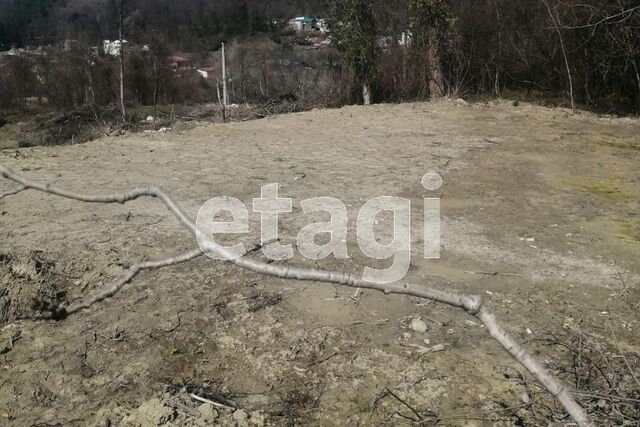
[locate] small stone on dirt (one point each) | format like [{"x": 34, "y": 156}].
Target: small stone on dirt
[
  {"x": 241, "y": 418},
  {"x": 257, "y": 419},
  {"x": 151, "y": 413},
  {"x": 418, "y": 325},
  {"x": 208, "y": 411},
  {"x": 438, "y": 347},
  {"x": 488, "y": 407}
]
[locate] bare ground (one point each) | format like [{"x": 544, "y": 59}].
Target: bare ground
[{"x": 541, "y": 217}]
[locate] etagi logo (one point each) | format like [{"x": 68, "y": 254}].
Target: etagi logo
[{"x": 270, "y": 206}]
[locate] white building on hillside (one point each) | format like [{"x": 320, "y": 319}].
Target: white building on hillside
[{"x": 112, "y": 47}]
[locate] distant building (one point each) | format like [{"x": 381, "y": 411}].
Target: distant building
[
  {"x": 304, "y": 23},
  {"x": 179, "y": 63},
  {"x": 322, "y": 25},
  {"x": 70, "y": 44},
  {"x": 403, "y": 40},
  {"x": 29, "y": 51},
  {"x": 14, "y": 51},
  {"x": 206, "y": 72},
  {"x": 112, "y": 48}
]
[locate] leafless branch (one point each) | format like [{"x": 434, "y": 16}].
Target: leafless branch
[
  {"x": 471, "y": 304},
  {"x": 555, "y": 21},
  {"x": 115, "y": 286},
  {"x": 625, "y": 14},
  {"x": 626, "y": 362},
  {"x": 12, "y": 192},
  {"x": 211, "y": 402}
]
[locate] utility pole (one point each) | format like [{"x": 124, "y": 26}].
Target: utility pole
[
  {"x": 225, "y": 98},
  {"x": 120, "y": 35}
]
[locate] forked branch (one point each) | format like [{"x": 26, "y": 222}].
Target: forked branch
[
  {"x": 471, "y": 304},
  {"x": 12, "y": 192},
  {"x": 59, "y": 313}
]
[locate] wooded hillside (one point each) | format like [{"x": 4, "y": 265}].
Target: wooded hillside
[{"x": 585, "y": 53}]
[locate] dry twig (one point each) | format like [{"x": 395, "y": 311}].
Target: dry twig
[
  {"x": 211, "y": 402},
  {"x": 13, "y": 192}
]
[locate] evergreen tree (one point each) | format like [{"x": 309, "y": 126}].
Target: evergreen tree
[
  {"x": 353, "y": 27},
  {"x": 430, "y": 21}
]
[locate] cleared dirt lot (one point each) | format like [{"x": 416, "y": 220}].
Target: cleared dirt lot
[{"x": 541, "y": 217}]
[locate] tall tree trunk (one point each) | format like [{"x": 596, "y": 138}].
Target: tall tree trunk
[
  {"x": 155, "y": 90},
  {"x": 436, "y": 76},
  {"x": 496, "y": 82},
  {"x": 366, "y": 93},
  {"x": 556, "y": 25},
  {"x": 225, "y": 94},
  {"x": 120, "y": 36},
  {"x": 635, "y": 68},
  {"x": 91, "y": 94}
]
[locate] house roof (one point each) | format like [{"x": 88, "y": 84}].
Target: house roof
[
  {"x": 304, "y": 19},
  {"x": 178, "y": 58}
]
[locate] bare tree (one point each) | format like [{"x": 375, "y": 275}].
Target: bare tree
[
  {"x": 555, "y": 21},
  {"x": 496, "y": 83}
]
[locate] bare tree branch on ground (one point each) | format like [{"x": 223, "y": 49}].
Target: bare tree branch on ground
[{"x": 471, "y": 304}]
